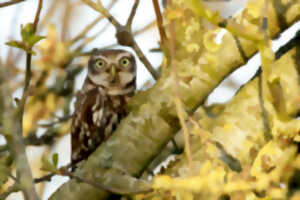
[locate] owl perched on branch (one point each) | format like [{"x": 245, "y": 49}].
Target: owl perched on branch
[{"x": 100, "y": 104}]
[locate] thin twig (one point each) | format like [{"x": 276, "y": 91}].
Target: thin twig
[
  {"x": 66, "y": 19},
  {"x": 100, "y": 8},
  {"x": 135, "y": 33},
  {"x": 28, "y": 65},
  {"x": 145, "y": 28},
  {"x": 33, "y": 140},
  {"x": 91, "y": 25},
  {"x": 132, "y": 14},
  {"x": 159, "y": 19},
  {"x": 63, "y": 171},
  {"x": 49, "y": 176},
  {"x": 266, "y": 65},
  {"x": 145, "y": 61},
  {"x": 9, "y": 3},
  {"x": 86, "y": 29},
  {"x": 51, "y": 10},
  {"x": 78, "y": 51},
  {"x": 101, "y": 186},
  {"x": 37, "y": 15},
  {"x": 13, "y": 133},
  {"x": 178, "y": 104}
]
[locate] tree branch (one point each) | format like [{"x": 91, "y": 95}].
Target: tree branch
[
  {"x": 9, "y": 3},
  {"x": 159, "y": 19},
  {"x": 13, "y": 131},
  {"x": 132, "y": 14}
]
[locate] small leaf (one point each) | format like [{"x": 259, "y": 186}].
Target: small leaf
[
  {"x": 55, "y": 159},
  {"x": 47, "y": 165},
  {"x": 27, "y": 32},
  {"x": 20, "y": 45},
  {"x": 34, "y": 39},
  {"x": 17, "y": 44}
]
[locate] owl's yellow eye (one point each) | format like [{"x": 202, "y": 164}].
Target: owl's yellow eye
[
  {"x": 99, "y": 63},
  {"x": 124, "y": 62}
]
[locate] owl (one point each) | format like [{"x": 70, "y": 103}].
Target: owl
[{"x": 101, "y": 103}]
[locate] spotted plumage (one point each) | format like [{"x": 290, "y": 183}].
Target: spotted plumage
[{"x": 101, "y": 103}]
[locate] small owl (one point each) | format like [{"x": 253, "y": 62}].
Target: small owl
[{"x": 101, "y": 102}]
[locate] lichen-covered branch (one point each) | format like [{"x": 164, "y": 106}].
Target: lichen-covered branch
[
  {"x": 153, "y": 120},
  {"x": 239, "y": 131}
]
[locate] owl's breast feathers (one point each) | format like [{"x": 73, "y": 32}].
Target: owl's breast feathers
[{"x": 95, "y": 118}]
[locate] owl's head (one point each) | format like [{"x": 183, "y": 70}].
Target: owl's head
[{"x": 112, "y": 68}]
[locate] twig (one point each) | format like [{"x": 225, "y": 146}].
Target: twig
[
  {"x": 49, "y": 13},
  {"x": 124, "y": 34},
  {"x": 28, "y": 65},
  {"x": 63, "y": 171},
  {"x": 264, "y": 112},
  {"x": 101, "y": 186},
  {"x": 9, "y": 3},
  {"x": 159, "y": 19},
  {"x": 66, "y": 19},
  {"x": 33, "y": 140},
  {"x": 145, "y": 28},
  {"x": 135, "y": 33},
  {"x": 178, "y": 104},
  {"x": 37, "y": 15},
  {"x": 49, "y": 176},
  {"x": 77, "y": 51},
  {"x": 266, "y": 65},
  {"x": 146, "y": 62},
  {"x": 91, "y": 25},
  {"x": 132, "y": 14},
  {"x": 99, "y": 7},
  {"x": 13, "y": 132}
]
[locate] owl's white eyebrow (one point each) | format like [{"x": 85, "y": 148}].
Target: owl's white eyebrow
[
  {"x": 100, "y": 56},
  {"x": 127, "y": 54}
]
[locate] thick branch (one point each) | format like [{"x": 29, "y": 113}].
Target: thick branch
[{"x": 246, "y": 127}]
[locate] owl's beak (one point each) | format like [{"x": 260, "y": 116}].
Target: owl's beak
[{"x": 113, "y": 70}]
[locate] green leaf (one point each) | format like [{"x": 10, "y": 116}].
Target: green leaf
[
  {"x": 55, "y": 159},
  {"x": 20, "y": 45},
  {"x": 17, "y": 44},
  {"x": 29, "y": 39},
  {"x": 34, "y": 39},
  {"x": 27, "y": 32},
  {"x": 47, "y": 165}
]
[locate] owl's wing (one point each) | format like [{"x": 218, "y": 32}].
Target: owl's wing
[{"x": 87, "y": 119}]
